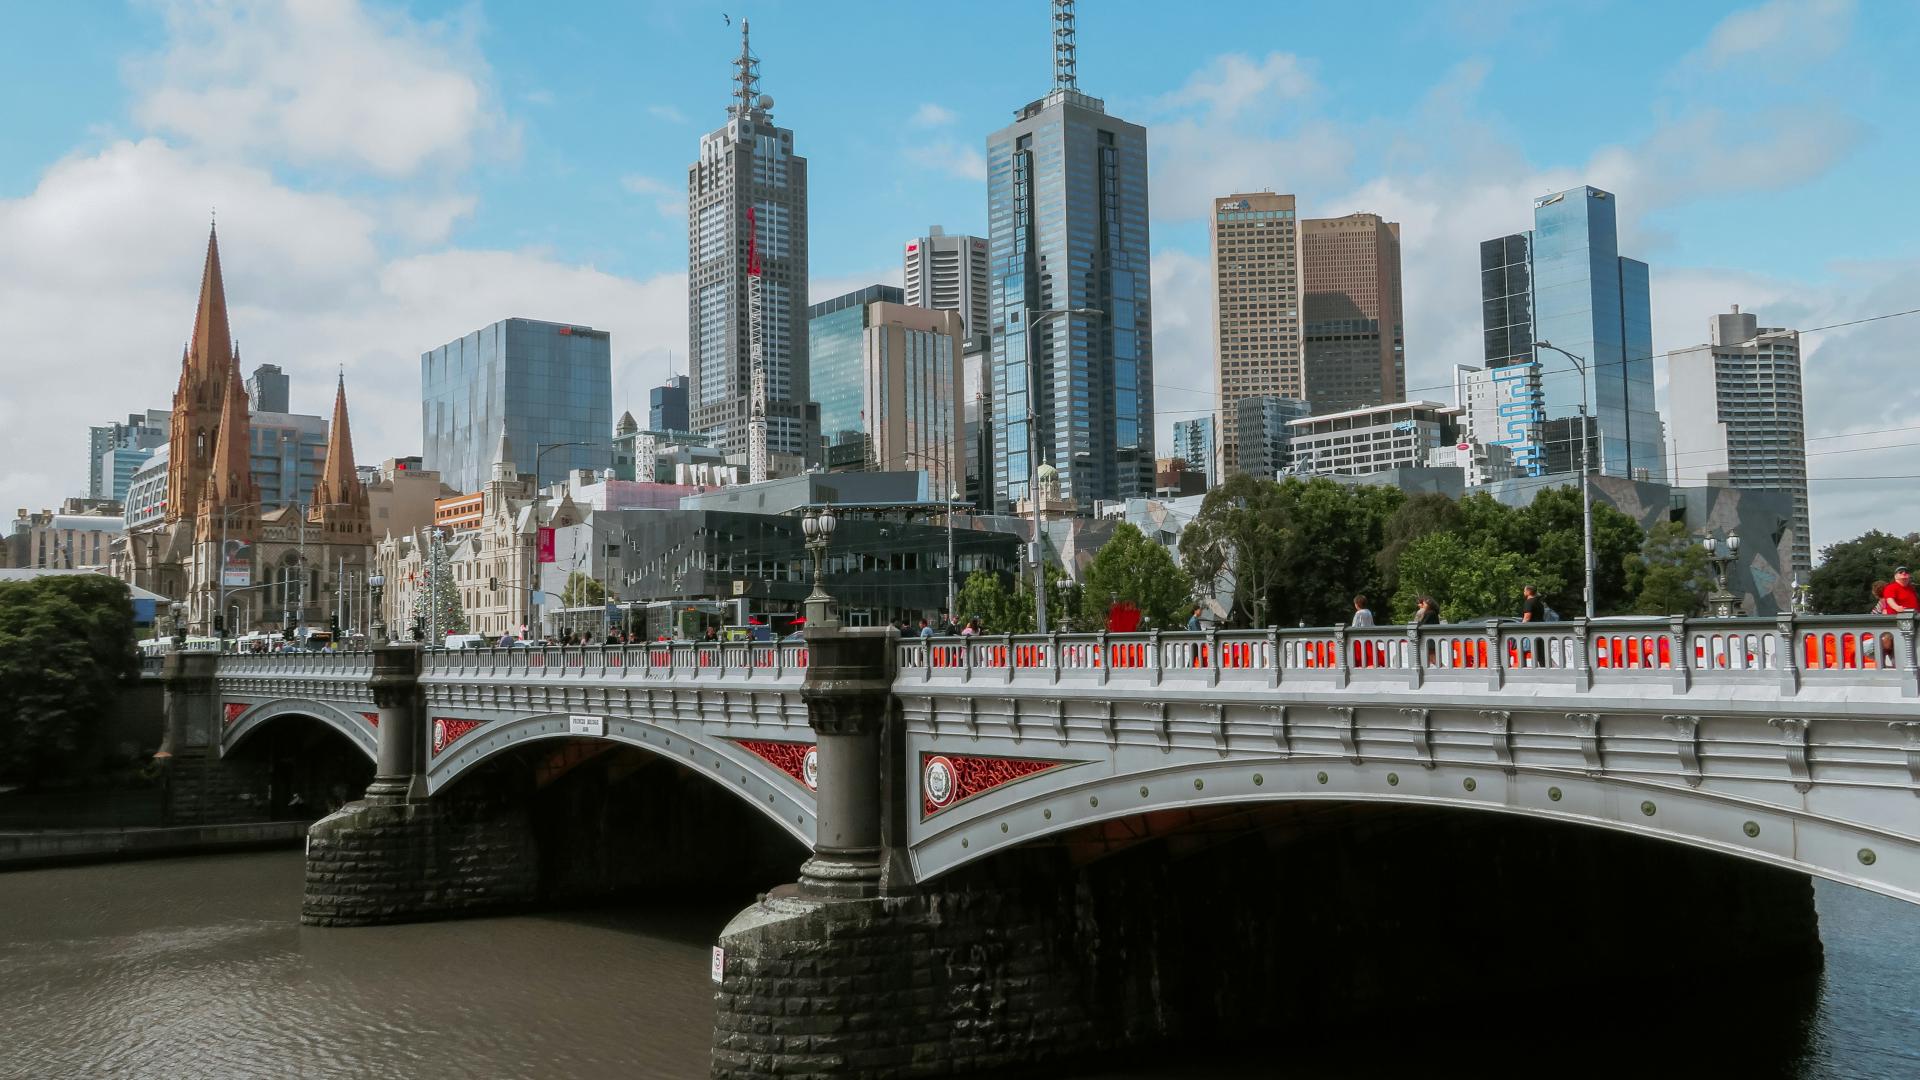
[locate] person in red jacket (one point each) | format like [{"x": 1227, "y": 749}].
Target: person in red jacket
[{"x": 1898, "y": 597}]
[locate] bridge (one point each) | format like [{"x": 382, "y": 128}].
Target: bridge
[{"x": 909, "y": 768}]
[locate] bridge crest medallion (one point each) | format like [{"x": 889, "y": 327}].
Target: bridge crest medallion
[
  {"x": 946, "y": 779},
  {"x": 798, "y": 760},
  {"x": 447, "y": 730}
]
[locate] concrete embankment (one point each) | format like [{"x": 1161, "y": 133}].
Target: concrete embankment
[{"x": 53, "y": 847}]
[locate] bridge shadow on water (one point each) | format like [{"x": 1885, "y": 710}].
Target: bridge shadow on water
[{"x": 1350, "y": 941}]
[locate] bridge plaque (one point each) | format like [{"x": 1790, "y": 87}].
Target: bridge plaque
[{"x": 579, "y": 724}]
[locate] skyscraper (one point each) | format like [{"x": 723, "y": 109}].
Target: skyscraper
[
  {"x": 1745, "y": 419},
  {"x": 913, "y": 392},
  {"x": 667, "y": 405},
  {"x": 1565, "y": 283},
  {"x": 1067, "y": 224},
  {"x": 836, "y": 351},
  {"x": 133, "y": 441},
  {"x": 549, "y": 383},
  {"x": 1265, "y": 435},
  {"x": 747, "y": 201},
  {"x": 1193, "y": 442},
  {"x": 1353, "y": 331},
  {"x": 268, "y": 389},
  {"x": 949, "y": 273},
  {"x": 1258, "y": 351}
]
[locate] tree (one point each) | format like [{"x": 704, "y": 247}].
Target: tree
[
  {"x": 985, "y": 596},
  {"x": 582, "y": 590},
  {"x": 1548, "y": 530},
  {"x": 436, "y": 604},
  {"x": 1295, "y": 552},
  {"x": 1469, "y": 578},
  {"x": 1421, "y": 515},
  {"x": 1129, "y": 568},
  {"x": 1670, "y": 575},
  {"x": 65, "y": 643},
  {"x": 1843, "y": 582}
]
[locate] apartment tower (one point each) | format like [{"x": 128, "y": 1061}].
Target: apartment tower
[
  {"x": 1352, "y": 327},
  {"x": 949, "y": 273}
]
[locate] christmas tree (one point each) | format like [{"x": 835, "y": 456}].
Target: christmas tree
[{"x": 436, "y": 601}]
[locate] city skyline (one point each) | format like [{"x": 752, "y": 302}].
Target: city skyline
[{"x": 360, "y": 248}]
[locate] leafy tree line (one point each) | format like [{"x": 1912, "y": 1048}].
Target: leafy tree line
[
  {"x": 66, "y": 642},
  {"x": 1297, "y": 553}
]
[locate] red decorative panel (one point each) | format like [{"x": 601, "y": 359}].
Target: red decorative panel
[
  {"x": 949, "y": 779},
  {"x": 797, "y": 759},
  {"x": 446, "y": 730},
  {"x": 234, "y": 709},
  {"x": 372, "y": 718}
]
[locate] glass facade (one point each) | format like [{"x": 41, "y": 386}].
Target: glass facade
[
  {"x": 550, "y": 383},
  {"x": 1067, "y": 221},
  {"x": 1193, "y": 443},
  {"x": 836, "y": 330},
  {"x": 1595, "y": 304},
  {"x": 288, "y": 452},
  {"x": 667, "y": 405}
]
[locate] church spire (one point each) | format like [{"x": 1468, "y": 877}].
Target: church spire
[
  {"x": 338, "y": 482},
  {"x": 230, "y": 480},
  {"x": 211, "y": 347},
  {"x": 503, "y": 467}
]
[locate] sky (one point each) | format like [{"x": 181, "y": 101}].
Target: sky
[{"x": 390, "y": 176}]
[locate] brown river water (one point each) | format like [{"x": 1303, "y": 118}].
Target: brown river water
[{"x": 198, "y": 968}]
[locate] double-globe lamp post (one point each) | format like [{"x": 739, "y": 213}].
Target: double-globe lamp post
[
  {"x": 818, "y": 528},
  {"x": 1034, "y": 319},
  {"x": 1586, "y": 481}
]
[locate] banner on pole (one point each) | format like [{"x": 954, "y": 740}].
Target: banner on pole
[{"x": 546, "y": 543}]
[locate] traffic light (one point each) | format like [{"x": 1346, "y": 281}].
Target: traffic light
[
  {"x": 419, "y": 629},
  {"x": 493, "y": 583},
  {"x": 219, "y": 626},
  {"x": 333, "y": 626}
]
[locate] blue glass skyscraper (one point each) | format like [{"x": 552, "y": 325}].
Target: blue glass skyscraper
[
  {"x": 549, "y": 383},
  {"x": 1565, "y": 283},
  {"x": 1067, "y": 225}
]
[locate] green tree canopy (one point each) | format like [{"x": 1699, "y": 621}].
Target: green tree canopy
[
  {"x": 1129, "y": 568},
  {"x": 1296, "y": 551},
  {"x": 1843, "y": 582},
  {"x": 1475, "y": 563},
  {"x": 66, "y": 641},
  {"x": 582, "y": 590},
  {"x": 1670, "y": 577}
]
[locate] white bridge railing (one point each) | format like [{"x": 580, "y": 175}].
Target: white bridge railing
[
  {"x": 1782, "y": 653},
  {"x": 663, "y": 660}
]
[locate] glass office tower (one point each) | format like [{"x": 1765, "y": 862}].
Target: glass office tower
[
  {"x": 836, "y": 333},
  {"x": 1565, "y": 282},
  {"x": 1067, "y": 226},
  {"x": 550, "y": 383}
]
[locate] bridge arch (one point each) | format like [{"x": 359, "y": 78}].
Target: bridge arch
[
  {"x": 356, "y": 728},
  {"x": 1073, "y": 796},
  {"x": 752, "y": 779}
]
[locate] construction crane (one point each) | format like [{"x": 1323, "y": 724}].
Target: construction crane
[{"x": 756, "y": 360}]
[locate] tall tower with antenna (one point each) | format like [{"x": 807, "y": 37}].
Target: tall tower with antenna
[
  {"x": 1067, "y": 184},
  {"x": 747, "y": 284}
]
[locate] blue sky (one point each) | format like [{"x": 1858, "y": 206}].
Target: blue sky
[{"x": 391, "y": 175}]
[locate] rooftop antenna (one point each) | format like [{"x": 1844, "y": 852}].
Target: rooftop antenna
[
  {"x": 1063, "y": 52},
  {"x": 748, "y": 77}
]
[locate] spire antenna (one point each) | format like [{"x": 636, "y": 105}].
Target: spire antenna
[
  {"x": 1064, "y": 77},
  {"x": 748, "y": 76}
]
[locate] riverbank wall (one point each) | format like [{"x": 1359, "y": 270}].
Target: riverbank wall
[{"x": 66, "y": 847}]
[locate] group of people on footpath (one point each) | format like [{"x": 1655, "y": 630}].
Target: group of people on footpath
[
  {"x": 1895, "y": 597},
  {"x": 1533, "y": 609}
]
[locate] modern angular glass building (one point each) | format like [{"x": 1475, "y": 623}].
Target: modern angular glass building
[
  {"x": 549, "y": 383},
  {"x": 836, "y": 333},
  {"x": 1067, "y": 226},
  {"x": 1565, "y": 283},
  {"x": 667, "y": 405}
]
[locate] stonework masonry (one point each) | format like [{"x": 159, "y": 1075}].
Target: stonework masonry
[{"x": 382, "y": 863}]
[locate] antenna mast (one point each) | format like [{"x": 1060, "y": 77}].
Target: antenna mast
[{"x": 1063, "y": 65}]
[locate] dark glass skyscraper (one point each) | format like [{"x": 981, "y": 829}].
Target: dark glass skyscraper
[
  {"x": 667, "y": 405},
  {"x": 836, "y": 336},
  {"x": 1565, "y": 283},
  {"x": 1067, "y": 223}
]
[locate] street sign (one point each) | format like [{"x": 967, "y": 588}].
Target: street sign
[
  {"x": 719, "y": 963},
  {"x": 578, "y": 724},
  {"x": 739, "y": 588}
]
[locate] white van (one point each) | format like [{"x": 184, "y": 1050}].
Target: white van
[{"x": 466, "y": 641}]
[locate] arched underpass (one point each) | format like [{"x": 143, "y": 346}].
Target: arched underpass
[
  {"x": 289, "y": 767},
  {"x": 1271, "y": 924},
  {"x": 547, "y": 823}
]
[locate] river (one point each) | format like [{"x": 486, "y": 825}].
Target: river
[{"x": 198, "y": 968}]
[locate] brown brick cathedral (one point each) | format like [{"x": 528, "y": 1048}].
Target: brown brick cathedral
[{"x": 217, "y": 547}]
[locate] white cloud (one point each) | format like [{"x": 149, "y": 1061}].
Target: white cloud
[
  {"x": 317, "y": 84},
  {"x": 951, "y": 157},
  {"x": 1230, "y": 83},
  {"x": 667, "y": 113},
  {"x": 1791, "y": 30},
  {"x": 669, "y": 200},
  {"x": 931, "y": 115}
]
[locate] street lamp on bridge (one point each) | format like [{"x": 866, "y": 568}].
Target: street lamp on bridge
[
  {"x": 1586, "y": 472},
  {"x": 1721, "y": 555},
  {"x": 818, "y": 527}
]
